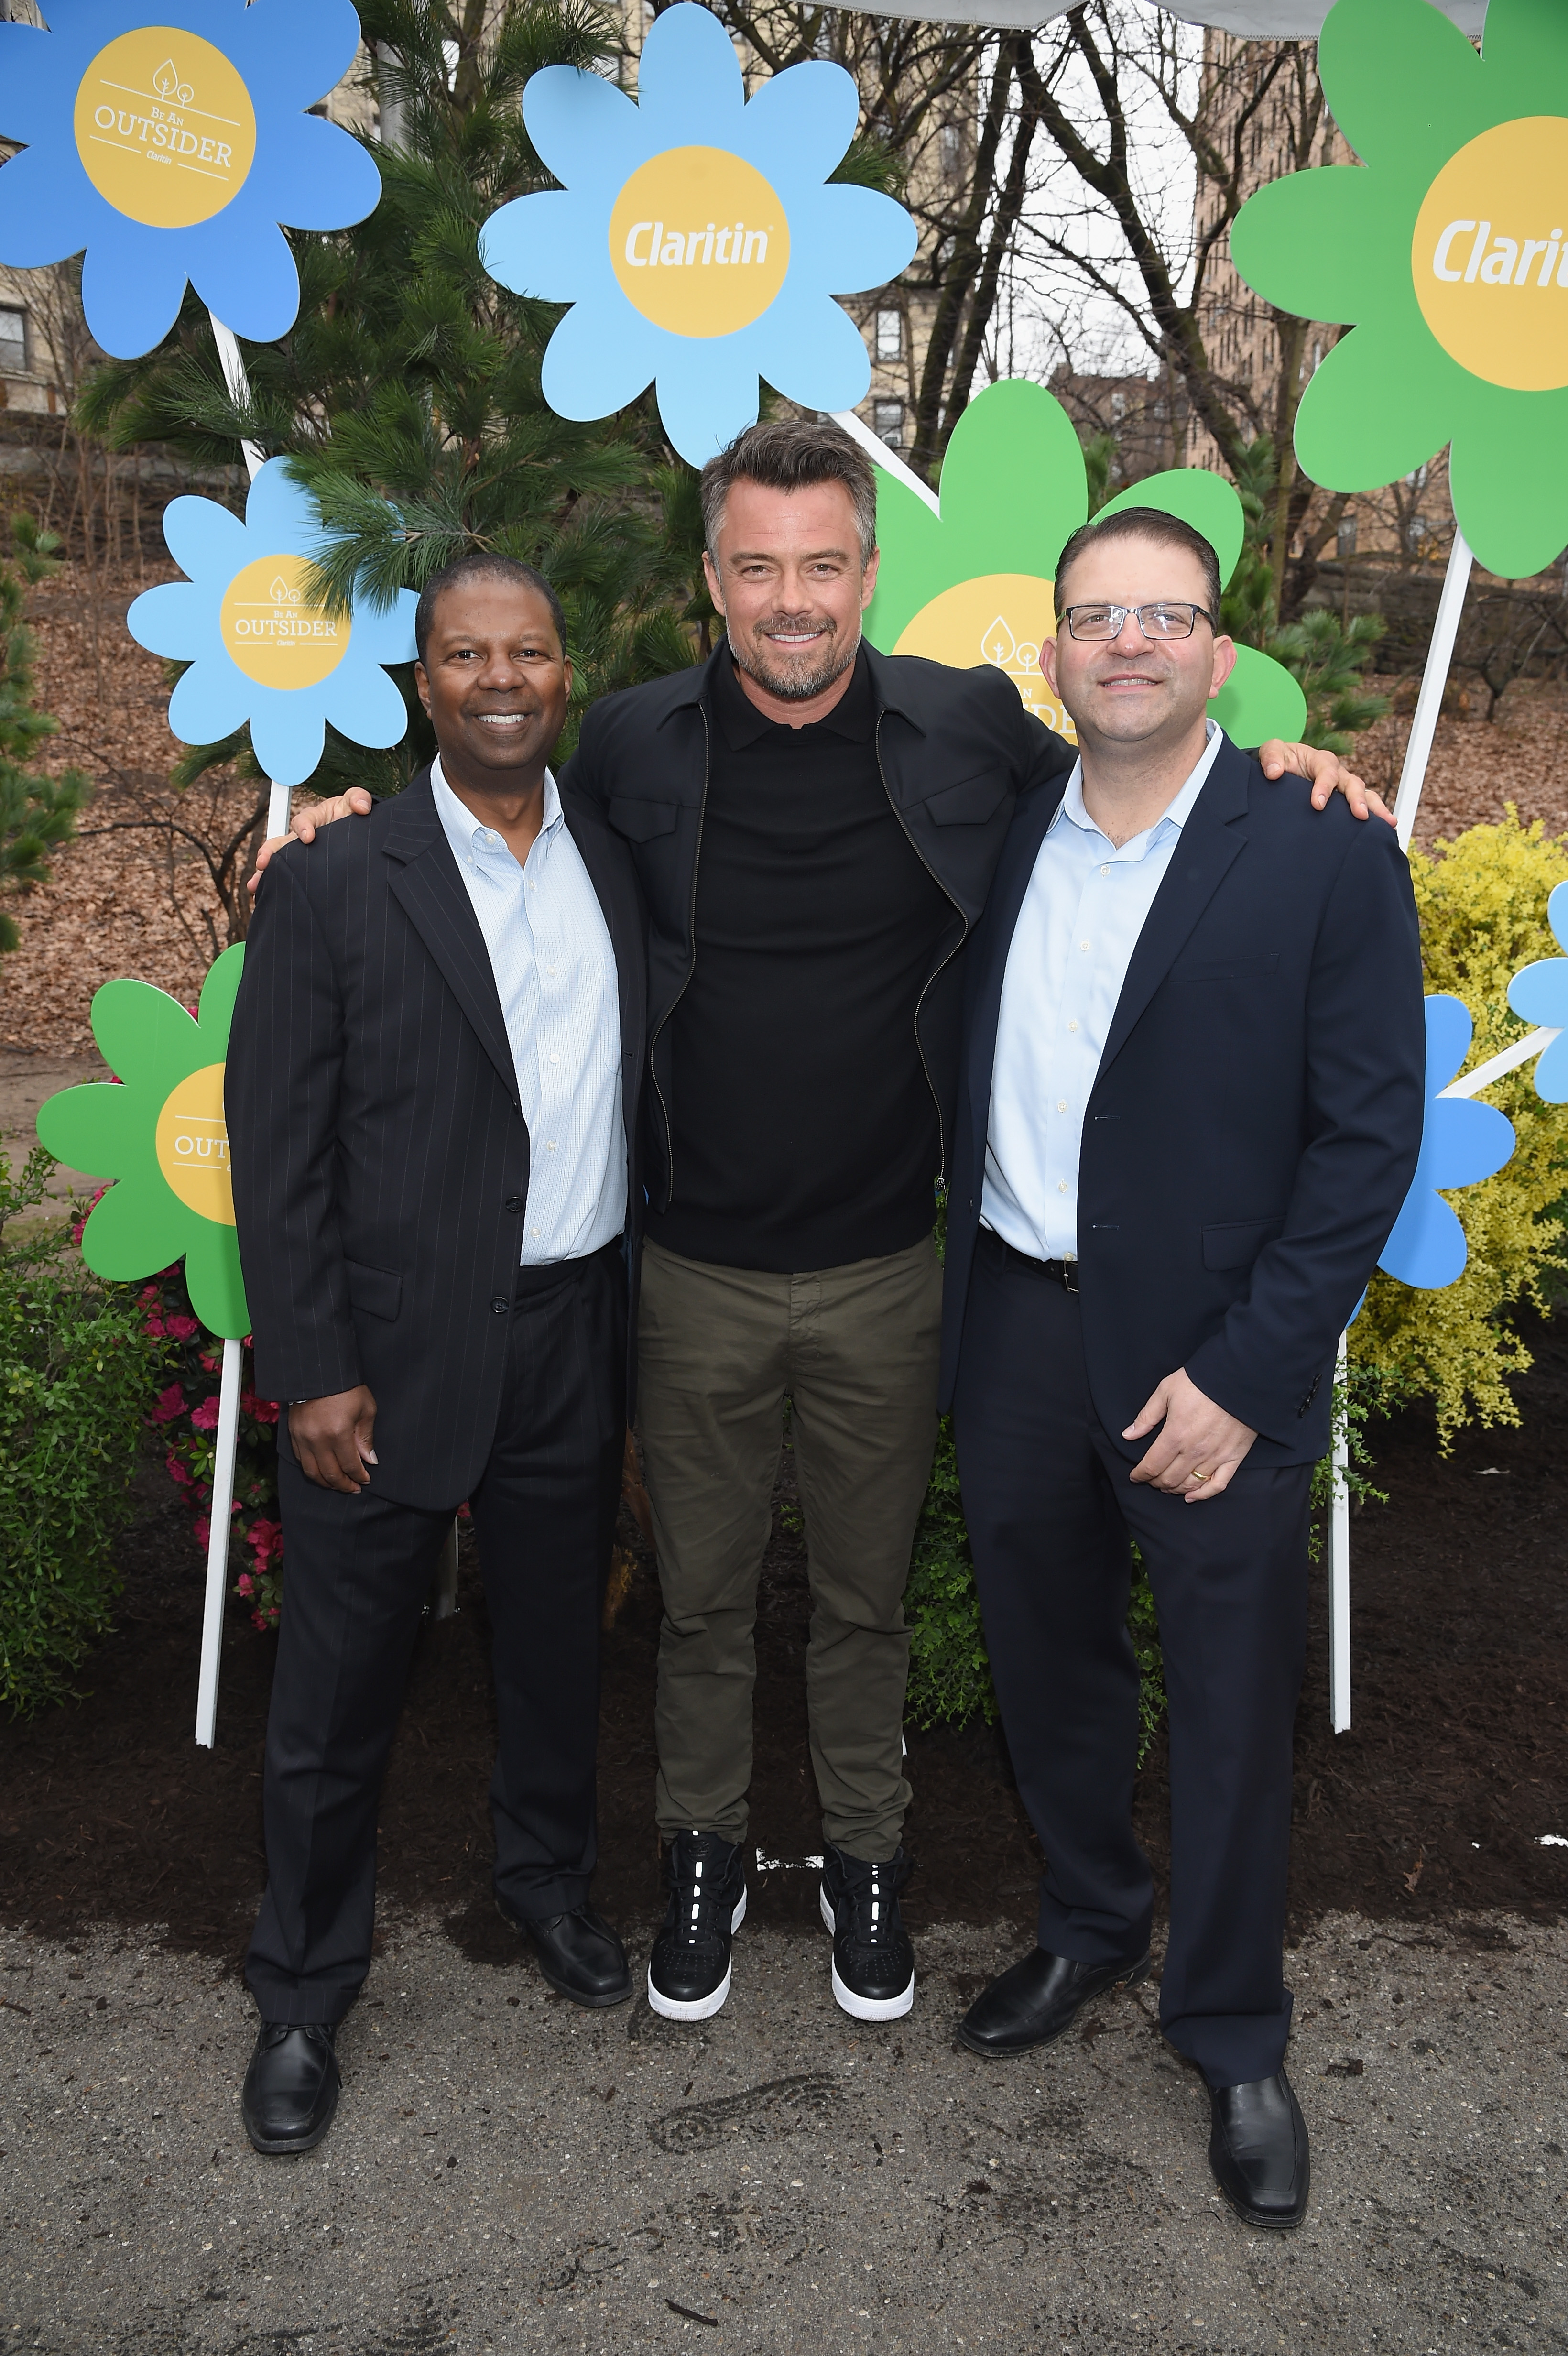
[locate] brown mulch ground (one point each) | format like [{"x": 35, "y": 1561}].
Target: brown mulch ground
[
  {"x": 126, "y": 897},
  {"x": 1431, "y": 1807},
  {"x": 1477, "y": 766}
]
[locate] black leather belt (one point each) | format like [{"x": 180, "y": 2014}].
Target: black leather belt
[{"x": 1053, "y": 1271}]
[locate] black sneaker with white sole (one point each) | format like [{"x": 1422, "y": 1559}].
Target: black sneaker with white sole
[
  {"x": 873, "y": 1963},
  {"x": 689, "y": 1970}
]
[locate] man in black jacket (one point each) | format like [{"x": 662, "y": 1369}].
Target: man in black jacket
[
  {"x": 1191, "y": 1110},
  {"x": 433, "y": 1095},
  {"x": 815, "y": 826}
]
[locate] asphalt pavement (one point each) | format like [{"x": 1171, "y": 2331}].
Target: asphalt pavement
[{"x": 508, "y": 2171}]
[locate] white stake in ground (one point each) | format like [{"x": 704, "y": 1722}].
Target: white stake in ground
[
  {"x": 1413, "y": 777},
  {"x": 226, "y": 1438}
]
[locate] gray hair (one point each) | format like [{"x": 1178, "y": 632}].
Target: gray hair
[{"x": 790, "y": 454}]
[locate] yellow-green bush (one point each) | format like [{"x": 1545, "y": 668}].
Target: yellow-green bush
[{"x": 1482, "y": 900}]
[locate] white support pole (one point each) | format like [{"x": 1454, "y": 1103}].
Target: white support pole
[
  {"x": 1434, "y": 679},
  {"x": 875, "y": 448},
  {"x": 1413, "y": 777},
  {"x": 280, "y": 801},
  {"x": 217, "y": 1545},
  {"x": 1534, "y": 1043},
  {"x": 1339, "y": 1558},
  {"x": 228, "y": 1436}
]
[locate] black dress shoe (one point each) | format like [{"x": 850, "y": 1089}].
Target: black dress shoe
[
  {"x": 1258, "y": 2151},
  {"x": 290, "y": 2087},
  {"x": 1037, "y": 1999},
  {"x": 579, "y": 1955}
]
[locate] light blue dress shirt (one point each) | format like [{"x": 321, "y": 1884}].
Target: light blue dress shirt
[
  {"x": 1085, "y": 905},
  {"x": 555, "y": 974}
]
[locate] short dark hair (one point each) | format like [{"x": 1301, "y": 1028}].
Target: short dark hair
[
  {"x": 790, "y": 454},
  {"x": 481, "y": 565},
  {"x": 1144, "y": 523}
]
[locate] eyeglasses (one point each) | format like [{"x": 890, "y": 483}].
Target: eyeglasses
[{"x": 1166, "y": 620}]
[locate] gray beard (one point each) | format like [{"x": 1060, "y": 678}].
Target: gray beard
[{"x": 799, "y": 686}]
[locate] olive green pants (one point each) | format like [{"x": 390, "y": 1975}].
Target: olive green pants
[{"x": 855, "y": 1350}]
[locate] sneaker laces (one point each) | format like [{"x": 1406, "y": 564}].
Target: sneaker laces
[
  {"x": 696, "y": 1893},
  {"x": 875, "y": 1903}
]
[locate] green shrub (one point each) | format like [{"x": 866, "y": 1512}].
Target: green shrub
[
  {"x": 1482, "y": 900},
  {"x": 76, "y": 1375}
]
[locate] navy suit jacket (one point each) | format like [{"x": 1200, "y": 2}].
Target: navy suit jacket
[
  {"x": 380, "y": 1152},
  {"x": 1257, "y": 1119}
]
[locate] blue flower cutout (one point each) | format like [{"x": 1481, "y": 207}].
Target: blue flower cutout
[
  {"x": 695, "y": 237},
  {"x": 1541, "y": 995},
  {"x": 1463, "y": 1142},
  {"x": 168, "y": 138},
  {"x": 257, "y": 650}
]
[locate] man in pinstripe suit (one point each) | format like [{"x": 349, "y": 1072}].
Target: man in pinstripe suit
[{"x": 431, "y": 1097}]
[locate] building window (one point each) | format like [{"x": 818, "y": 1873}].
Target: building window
[
  {"x": 13, "y": 342},
  {"x": 950, "y": 149},
  {"x": 890, "y": 335},
  {"x": 888, "y": 419},
  {"x": 1345, "y": 539}
]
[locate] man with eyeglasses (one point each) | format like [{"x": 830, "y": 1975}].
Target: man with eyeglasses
[{"x": 1191, "y": 1109}]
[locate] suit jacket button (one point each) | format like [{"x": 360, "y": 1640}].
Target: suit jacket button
[
  {"x": 514, "y": 1202},
  {"x": 500, "y": 1306}
]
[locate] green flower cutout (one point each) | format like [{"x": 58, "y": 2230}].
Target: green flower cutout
[
  {"x": 161, "y": 1138},
  {"x": 1444, "y": 250},
  {"x": 974, "y": 584}
]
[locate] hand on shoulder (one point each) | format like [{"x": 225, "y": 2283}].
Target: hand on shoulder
[{"x": 355, "y": 803}]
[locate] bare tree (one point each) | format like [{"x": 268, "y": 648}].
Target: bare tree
[{"x": 1228, "y": 116}]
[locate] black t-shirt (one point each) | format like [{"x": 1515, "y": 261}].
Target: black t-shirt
[{"x": 805, "y": 1133}]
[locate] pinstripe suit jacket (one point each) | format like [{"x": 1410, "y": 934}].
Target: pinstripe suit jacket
[{"x": 380, "y": 1154}]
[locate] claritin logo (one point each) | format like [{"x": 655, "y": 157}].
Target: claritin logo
[
  {"x": 699, "y": 242},
  {"x": 146, "y": 145},
  {"x": 1488, "y": 259}
]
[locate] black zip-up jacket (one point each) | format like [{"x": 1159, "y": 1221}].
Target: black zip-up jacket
[{"x": 955, "y": 749}]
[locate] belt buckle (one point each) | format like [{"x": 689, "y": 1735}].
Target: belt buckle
[{"x": 1070, "y": 1276}]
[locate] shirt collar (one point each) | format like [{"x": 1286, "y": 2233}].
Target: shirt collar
[
  {"x": 467, "y": 833},
  {"x": 853, "y": 717},
  {"x": 1174, "y": 816}
]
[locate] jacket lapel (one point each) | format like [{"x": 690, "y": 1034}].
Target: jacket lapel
[
  {"x": 995, "y": 936},
  {"x": 425, "y": 881},
  {"x": 1210, "y": 842}
]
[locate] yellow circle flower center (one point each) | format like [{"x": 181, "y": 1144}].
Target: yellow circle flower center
[
  {"x": 1489, "y": 258},
  {"x": 192, "y": 1145},
  {"x": 165, "y": 127},
  {"x": 999, "y": 617},
  {"x": 271, "y": 633},
  {"x": 699, "y": 242}
]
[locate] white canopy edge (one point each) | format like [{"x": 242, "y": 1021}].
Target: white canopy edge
[{"x": 1278, "y": 20}]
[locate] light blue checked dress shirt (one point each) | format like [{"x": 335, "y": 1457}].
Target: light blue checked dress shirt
[
  {"x": 555, "y": 974},
  {"x": 1079, "y": 924}
]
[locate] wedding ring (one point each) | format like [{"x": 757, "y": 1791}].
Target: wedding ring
[{"x": 1200, "y": 1476}]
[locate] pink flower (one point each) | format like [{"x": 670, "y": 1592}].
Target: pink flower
[
  {"x": 204, "y": 1417},
  {"x": 244, "y": 1584},
  {"x": 265, "y": 1540},
  {"x": 170, "y": 1404},
  {"x": 176, "y": 1469},
  {"x": 181, "y": 1329},
  {"x": 203, "y": 1531},
  {"x": 155, "y": 1326}
]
